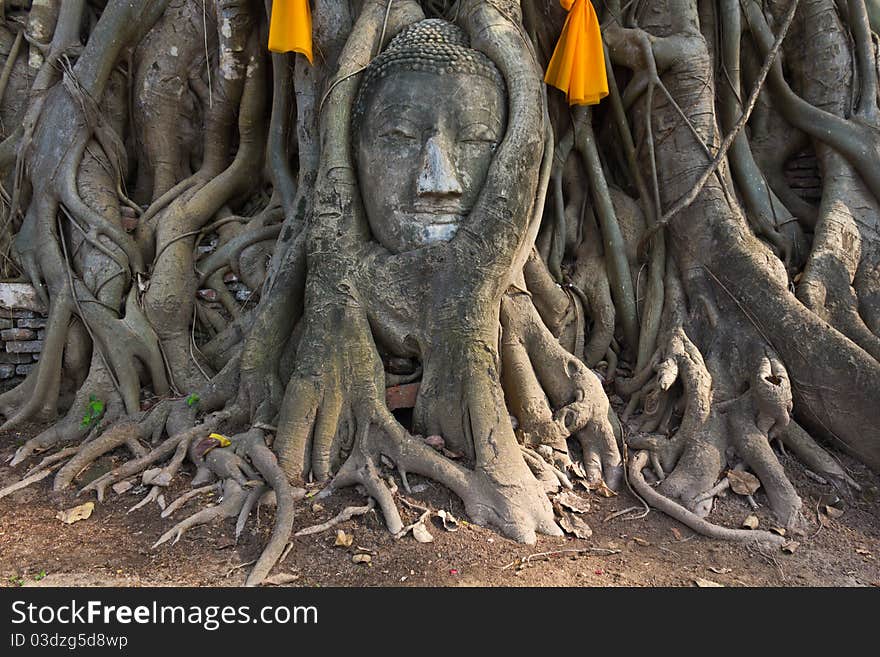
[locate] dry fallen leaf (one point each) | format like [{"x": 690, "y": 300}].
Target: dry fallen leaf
[
  {"x": 450, "y": 523},
  {"x": 602, "y": 489},
  {"x": 677, "y": 533},
  {"x": 790, "y": 546},
  {"x": 574, "y": 525},
  {"x": 720, "y": 571},
  {"x": 832, "y": 511},
  {"x": 343, "y": 539},
  {"x": 281, "y": 579},
  {"x": 641, "y": 541},
  {"x": 573, "y": 502},
  {"x": 76, "y": 514},
  {"x": 361, "y": 558},
  {"x": 707, "y": 583},
  {"x": 421, "y": 533},
  {"x": 751, "y": 522},
  {"x": 743, "y": 483},
  {"x": 317, "y": 508},
  {"x": 778, "y": 530},
  {"x": 863, "y": 550}
]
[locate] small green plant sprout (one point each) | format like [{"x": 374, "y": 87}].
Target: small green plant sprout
[
  {"x": 95, "y": 411},
  {"x": 40, "y": 575},
  {"x": 192, "y": 400},
  {"x": 16, "y": 581}
]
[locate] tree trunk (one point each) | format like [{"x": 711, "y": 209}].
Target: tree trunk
[{"x": 650, "y": 246}]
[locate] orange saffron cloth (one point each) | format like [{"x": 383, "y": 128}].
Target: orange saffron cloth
[
  {"x": 578, "y": 63},
  {"x": 290, "y": 27}
]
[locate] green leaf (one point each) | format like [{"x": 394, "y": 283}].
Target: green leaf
[
  {"x": 96, "y": 409},
  {"x": 40, "y": 575},
  {"x": 192, "y": 400}
]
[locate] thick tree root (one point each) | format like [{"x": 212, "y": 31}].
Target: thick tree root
[{"x": 688, "y": 518}]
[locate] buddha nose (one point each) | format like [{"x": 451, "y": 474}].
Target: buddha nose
[{"x": 438, "y": 176}]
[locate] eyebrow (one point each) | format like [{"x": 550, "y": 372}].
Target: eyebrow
[{"x": 403, "y": 108}]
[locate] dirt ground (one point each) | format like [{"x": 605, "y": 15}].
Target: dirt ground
[{"x": 112, "y": 547}]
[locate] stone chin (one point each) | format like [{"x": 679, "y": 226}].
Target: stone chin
[{"x": 441, "y": 231}]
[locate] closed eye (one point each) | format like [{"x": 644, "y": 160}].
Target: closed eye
[
  {"x": 477, "y": 133},
  {"x": 398, "y": 132}
]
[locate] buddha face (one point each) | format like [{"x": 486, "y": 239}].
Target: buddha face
[{"x": 425, "y": 145}]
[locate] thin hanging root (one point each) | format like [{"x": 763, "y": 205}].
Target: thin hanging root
[
  {"x": 347, "y": 513},
  {"x": 186, "y": 497},
  {"x": 53, "y": 458},
  {"x": 688, "y": 518},
  {"x": 247, "y": 507},
  {"x": 234, "y": 497},
  {"x": 24, "y": 483}
]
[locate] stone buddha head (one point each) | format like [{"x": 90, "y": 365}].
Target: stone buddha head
[{"x": 429, "y": 115}]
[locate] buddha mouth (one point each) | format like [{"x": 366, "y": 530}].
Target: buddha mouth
[{"x": 441, "y": 213}]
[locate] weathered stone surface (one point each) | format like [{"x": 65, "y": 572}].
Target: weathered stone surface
[
  {"x": 6, "y": 323},
  {"x": 20, "y": 296},
  {"x": 35, "y": 323},
  {"x": 15, "y": 359},
  {"x": 24, "y": 370},
  {"x": 24, "y": 347},
  {"x": 20, "y": 314},
  {"x": 7, "y": 371},
  {"x": 17, "y": 334}
]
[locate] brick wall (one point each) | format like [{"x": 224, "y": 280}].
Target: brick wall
[
  {"x": 22, "y": 330},
  {"x": 803, "y": 176}
]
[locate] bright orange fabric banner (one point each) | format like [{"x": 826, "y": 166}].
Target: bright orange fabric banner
[
  {"x": 578, "y": 63},
  {"x": 290, "y": 27}
]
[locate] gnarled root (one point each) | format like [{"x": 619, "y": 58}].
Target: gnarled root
[{"x": 553, "y": 395}]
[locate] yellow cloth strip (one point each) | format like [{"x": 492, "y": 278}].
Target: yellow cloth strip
[
  {"x": 578, "y": 63},
  {"x": 290, "y": 27}
]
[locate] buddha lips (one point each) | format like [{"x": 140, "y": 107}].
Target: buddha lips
[
  {"x": 290, "y": 27},
  {"x": 578, "y": 63}
]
